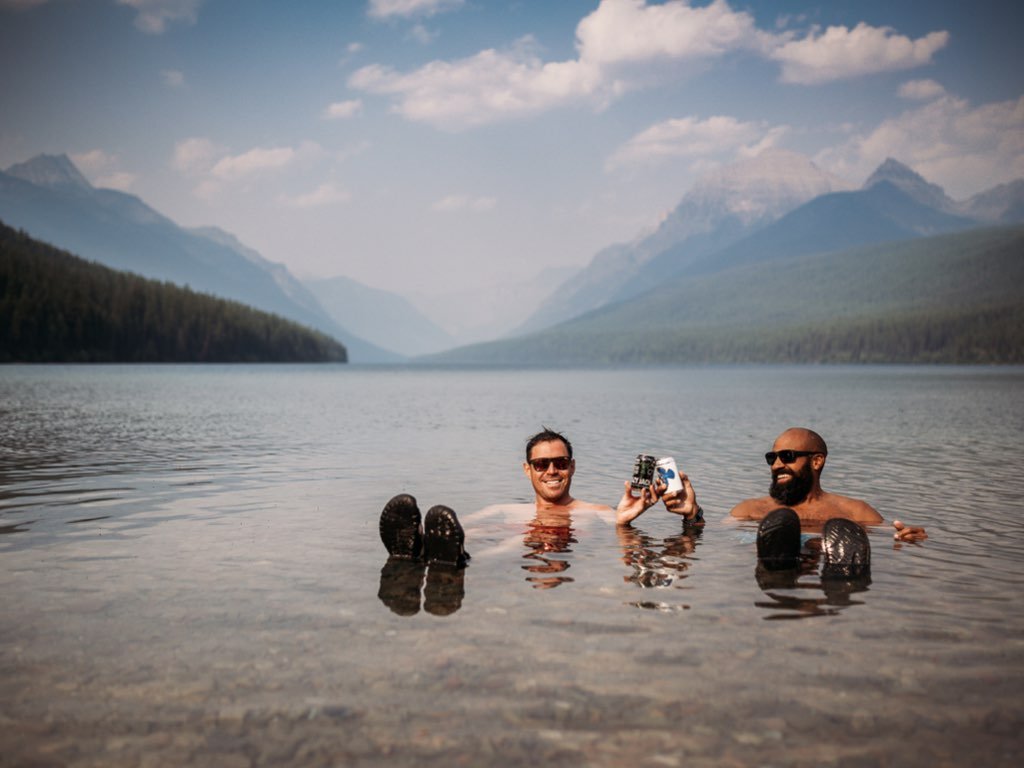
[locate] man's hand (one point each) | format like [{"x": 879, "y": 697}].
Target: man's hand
[
  {"x": 684, "y": 502},
  {"x": 631, "y": 507},
  {"x": 908, "y": 532}
]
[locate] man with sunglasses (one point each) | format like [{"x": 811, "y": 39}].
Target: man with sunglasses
[
  {"x": 438, "y": 537},
  {"x": 797, "y": 459},
  {"x": 550, "y": 466}
]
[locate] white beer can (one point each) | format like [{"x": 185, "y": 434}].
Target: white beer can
[{"x": 669, "y": 474}]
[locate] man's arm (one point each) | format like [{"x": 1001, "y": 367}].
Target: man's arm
[
  {"x": 749, "y": 509},
  {"x": 684, "y": 503},
  {"x": 854, "y": 509}
]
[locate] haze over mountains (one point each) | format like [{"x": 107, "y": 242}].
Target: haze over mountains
[
  {"x": 893, "y": 271},
  {"x": 775, "y": 206},
  {"x": 778, "y": 203},
  {"x": 953, "y": 298},
  {"x": 380, "y": 317},
  {"x": 718, "y": 210},
  {"x": 50, "y": 199}
]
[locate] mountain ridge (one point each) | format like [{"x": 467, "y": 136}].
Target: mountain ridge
[
  {"x": 121, "y": 231},
  {"x": 956, "y": 297},
  {"x": 721, "y": 207},
  {"x": 893, "y": 203}
]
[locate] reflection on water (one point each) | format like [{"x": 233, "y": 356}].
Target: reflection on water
[
  {"x": 192, "y": 571},
  {"x": 658, "y": 563},
  {"x": 788, "y": 589},
  {"x": 404, "y": 582},
  {"x": 547, "y": 539}
]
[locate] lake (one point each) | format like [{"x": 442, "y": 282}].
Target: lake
[{"x": 192, "y": 572}]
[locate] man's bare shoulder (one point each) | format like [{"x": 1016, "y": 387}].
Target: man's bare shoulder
[
  {"x": 754, "y": 509},
  {"x": 853, "y": 509},
  {"x": 501, "y": 512},
  {"x": 588, "y": 506}
]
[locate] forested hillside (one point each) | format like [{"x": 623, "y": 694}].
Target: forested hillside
[
  {"x": 56, "y": 307},
  {"x": 947, "y": 299}
]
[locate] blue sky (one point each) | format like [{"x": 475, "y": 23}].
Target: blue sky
[{"x": 417, "y": 145}]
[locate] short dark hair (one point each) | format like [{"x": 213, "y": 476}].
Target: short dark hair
[{"x": 547, "y": 435}]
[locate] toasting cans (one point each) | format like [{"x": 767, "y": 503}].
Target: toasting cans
[
  {"x": 643, "y": 471},
  {"x": 669, "y": 474},
  {"x": 645, "y": 467}
]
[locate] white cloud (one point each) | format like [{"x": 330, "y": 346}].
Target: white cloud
[
  {"x": 840, "y": 52},
  {"x": 93, "y": 162},
  {"x": 616, "y": 38},
  {"x": 325, "y": 194},
  {"x": 630, "y": 31},
  {"x": 385, "y": 9},
  {"x": 422, "y": 35},
  {"x": 342, "y": 110},
  {"x": 215, "y": 170},
  {"x": 921, "y": 90},
  {"x": 693, "y": 138},
  {"x": 121, "y": 180},
  {"x": 102, "y": 170},
  {"x": 962, "y": 148},
  {"x": 495, "y": 85},
  {"x": 351, "y": 50},
  {"x": 173, "y": 78},
  {"x": 254, "y": 161},
  {"x": 195, "y": 155},
  {"x": 484, "y": 88},
  {"x": 456, "y": 203},
  {"x": 154, "y": 15}
]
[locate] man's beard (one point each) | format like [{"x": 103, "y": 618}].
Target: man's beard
[{"x": 795, "y": 490}]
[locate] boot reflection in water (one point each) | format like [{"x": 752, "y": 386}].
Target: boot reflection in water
[
  {"x": 843, "y": 550},
  {"x": 433, "y": 551}
]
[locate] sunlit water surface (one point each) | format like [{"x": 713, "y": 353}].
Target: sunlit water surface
[{"x": 192, "y": 571}]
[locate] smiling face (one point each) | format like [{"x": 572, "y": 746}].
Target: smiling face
[
  {"x": 792, "y": 482},
  {"x": 551, "y": 484}
]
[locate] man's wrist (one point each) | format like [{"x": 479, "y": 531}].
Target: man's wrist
[{"x": 697, "y": 518}]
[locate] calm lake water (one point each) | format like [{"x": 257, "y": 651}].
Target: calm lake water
[{"x": 192, "y": 574}]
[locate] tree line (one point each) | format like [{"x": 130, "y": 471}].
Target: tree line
[
  {"x": 57, "y": 307},
  {"x": 964, "y": 336}
]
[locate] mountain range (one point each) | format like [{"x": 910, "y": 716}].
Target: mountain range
[
  {"x": 816, "y": 282},
  {"x": 380, "y": 317},
  {"x": 951, "y": 298},
  {"x": 772, "y": 207},
  {"x": 775, "y": 204},
  {"x": 48, "y": 198}
]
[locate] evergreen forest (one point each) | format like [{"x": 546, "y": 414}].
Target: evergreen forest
[
  {"x": 57, "y": 307},
  {"x": 951, "y": 299}
]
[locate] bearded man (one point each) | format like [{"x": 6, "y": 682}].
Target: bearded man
[{"x": 797, "y": 459}]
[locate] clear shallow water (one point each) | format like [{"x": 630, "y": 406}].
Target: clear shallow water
[{"x": 192, "y": 571}]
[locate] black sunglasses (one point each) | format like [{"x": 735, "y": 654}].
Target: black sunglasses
[
  {"x": 788, "y": 457},
  {"x": 541, "y": 465}
]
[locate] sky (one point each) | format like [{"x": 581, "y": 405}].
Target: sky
[{"x": 425, "y": 145}]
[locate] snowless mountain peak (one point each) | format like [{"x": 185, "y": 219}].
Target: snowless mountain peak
[
  {"x": 50, "y": 171},
  {"x": 912, "y": 183},
  {"x": 754, "y": 190},
  {"x": 894, "y": 171},
  {"x": 765, "y": 184}
]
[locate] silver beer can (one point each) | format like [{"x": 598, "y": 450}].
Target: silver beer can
[{"x": 669, "y": 474}]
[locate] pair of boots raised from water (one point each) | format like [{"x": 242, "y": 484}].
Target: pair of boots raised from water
[
  {"x": 845, "y": 550},
  {"x": 439, "y": 539}
]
